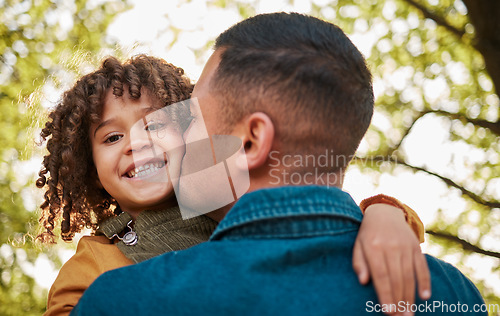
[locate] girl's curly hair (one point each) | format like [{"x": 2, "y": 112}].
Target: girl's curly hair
[{"x": 68, "y": 173}]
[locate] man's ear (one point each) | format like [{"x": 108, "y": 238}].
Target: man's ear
[{"x": 258, "y": 137}]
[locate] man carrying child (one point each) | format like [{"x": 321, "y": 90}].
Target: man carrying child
[{"x": 285, "y": 84}]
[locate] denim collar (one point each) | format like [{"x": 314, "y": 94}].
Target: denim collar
[{"x": 309, "y": 210}]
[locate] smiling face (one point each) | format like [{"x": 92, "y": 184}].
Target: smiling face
[{"x": 137, "y": 152}]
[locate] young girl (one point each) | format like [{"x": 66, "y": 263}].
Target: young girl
[{"x": 93, "y": 177}]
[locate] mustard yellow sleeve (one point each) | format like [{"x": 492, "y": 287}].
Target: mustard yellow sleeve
[
  {"x": 94, "y": 256},
  {"x": 411, "y": 216}
]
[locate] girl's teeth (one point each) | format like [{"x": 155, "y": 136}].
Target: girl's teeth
[{"x": 145, "y": 169}]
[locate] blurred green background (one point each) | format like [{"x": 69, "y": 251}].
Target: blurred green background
[{"x": 436, "y": 67}]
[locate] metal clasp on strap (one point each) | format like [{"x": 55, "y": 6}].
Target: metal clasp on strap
[{"x": 130, "y": 237}]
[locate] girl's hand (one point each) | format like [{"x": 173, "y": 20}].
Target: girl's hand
[{"x": 387, "y": 251}]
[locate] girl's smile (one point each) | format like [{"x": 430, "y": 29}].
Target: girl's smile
[{"x": 146, "y": 170}]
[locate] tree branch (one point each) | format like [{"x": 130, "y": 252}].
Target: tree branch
[
  {"x": 494, "y": 127},
  {"x": 436, "y": 18},
  {"x": 463, "y": 243},
  {"x": 407, "y": 131},
  {"x": 476, "y": 198}
]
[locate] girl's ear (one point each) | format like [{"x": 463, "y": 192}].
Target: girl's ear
[{"x": 258, "y": 137}]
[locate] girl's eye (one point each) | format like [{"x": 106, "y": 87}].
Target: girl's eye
[
  {"x": 113, "y": 138},
  {"x": 153, "y": 126}
]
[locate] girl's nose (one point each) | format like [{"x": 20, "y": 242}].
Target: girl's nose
[{"x": 139, "y": 140}]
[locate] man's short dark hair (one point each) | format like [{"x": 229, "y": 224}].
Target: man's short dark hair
[{"x": 301, "y": 71}]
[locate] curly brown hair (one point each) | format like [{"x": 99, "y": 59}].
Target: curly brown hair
[{"x": 71, "y": 192}]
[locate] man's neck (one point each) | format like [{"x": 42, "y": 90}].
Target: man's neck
[
  {"x": 285, "y": 178},
  {"x": 279, "y": 177}
]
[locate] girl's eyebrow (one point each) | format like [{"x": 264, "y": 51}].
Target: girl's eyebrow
[{"x": 102, "y": 124}]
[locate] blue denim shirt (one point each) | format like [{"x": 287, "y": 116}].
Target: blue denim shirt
[
  {"x": 280, "y": 251},
  {"x": 290, "y": 212}
]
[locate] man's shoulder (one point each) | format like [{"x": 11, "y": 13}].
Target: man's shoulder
[
  {"x": 442, "y": 267},
  {"x": 150, "y": 279},
  {"x": 448, "y": 283}
]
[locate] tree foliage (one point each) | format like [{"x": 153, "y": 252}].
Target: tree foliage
[
  {"x": 433, "y": 61},
  {"x": 35, "y": 36}
]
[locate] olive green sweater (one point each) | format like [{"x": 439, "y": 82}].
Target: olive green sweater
[{"x": 158, "y": 232}]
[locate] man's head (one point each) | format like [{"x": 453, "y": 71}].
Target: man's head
[
  {"x": 288, "y": 84},
  {"x": 302, "y": 72}
]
